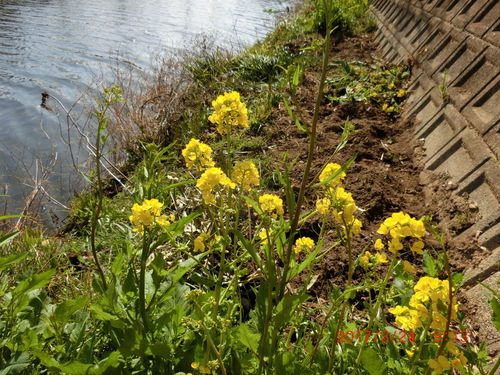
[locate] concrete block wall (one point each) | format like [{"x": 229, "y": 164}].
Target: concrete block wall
[{"x": 454, "y": 48}]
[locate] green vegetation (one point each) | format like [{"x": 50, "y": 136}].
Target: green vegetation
[{"x": 188, "y": 269}]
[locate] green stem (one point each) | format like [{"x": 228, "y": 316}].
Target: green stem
[
  {"x": 97, "y": 213},
  {"x": 142, "y": 284},
  {"x": 416, "y": 356},
  {"x": 307, "y": 170},
  {"x": 374, "y": 312},
  {"x": 494, "y": 369},
  {"x": 271, "y": 279}
]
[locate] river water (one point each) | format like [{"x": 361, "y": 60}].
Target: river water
[{"x": 60, "y": 46}]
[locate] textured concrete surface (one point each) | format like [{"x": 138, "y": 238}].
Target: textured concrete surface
[{"x": 454, "y": 49}]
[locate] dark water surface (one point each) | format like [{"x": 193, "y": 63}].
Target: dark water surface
[{"x": 60, "y": 46}]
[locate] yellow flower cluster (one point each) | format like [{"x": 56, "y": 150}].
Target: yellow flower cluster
[
  {"x": 148, "y": 215},
  {"x": 328, "y": 171},
  {"x": 304, "y": 244},
  {"x": 400, "y": 226},
  {"x": 341, "y": 205},
  {"x": 430, "y": 299},
  {"x": 272, "y": 205},
  {"x": 210, "y": 180},
  {"x": 444, "y": 364},
  {"x": 229, "y": 111},
  {"x": 246, "y": 175},
  {"x": 368, "y": 260},
  {"x": 197, "y": 154},
  {"x": 204, "y": 242}
]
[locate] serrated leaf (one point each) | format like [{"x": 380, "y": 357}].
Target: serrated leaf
[
  {"x": 248, "y": 338},
  {"x": 429, "y": 265},
  {"x": 372, "y": 362}
]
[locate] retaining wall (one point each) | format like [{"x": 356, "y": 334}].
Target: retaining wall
[{"x": 454, "y": 48}]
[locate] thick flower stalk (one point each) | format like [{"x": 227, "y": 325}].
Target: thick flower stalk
[
  {"x": 229, "y": 112},
  {"x": 198, "y": 155},
  {"x": 211, "y": 181},
  {"x": 148, "y": 215},
  {"x": 246, "y": 175}
]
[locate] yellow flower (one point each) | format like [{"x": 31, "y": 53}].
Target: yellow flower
[
  {"x": 344, "y": 206},
  {"x": 323, "y": 206},
  {"x": 164, "y": 221},
  {"x": 328, "y": 171},
  {"x": 395, "y": 245},
  {"x": 402, "y": 225},
  {"x": 379, "y": 245},
  {"x": 271, "y": 204},
  {"x": 246, "y": 175},
  {"x": 197, "y": 154},
  {"x": 229, "y": 111},
  {"x": 441, "y": 364},
  {"x": 354, "y": 227},
  {"x": 401, "y": 93},
  {"x": 199, "y": 242},
  {"x": 381, "y": 257},
  {"x": 408, "y": 267},
  {"x": 304, "y": 244},
  {"x": 364, "y": 260},
  {"x": 417, "y": 247},
  {"x": 147, "y": 215},
  {"x": 264, "y": 235},
  {"x": 391, "y": 86},
  {"x": 209, "y": 180}
]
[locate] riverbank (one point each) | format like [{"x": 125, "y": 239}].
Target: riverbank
[{"x": 223, "y": 287}]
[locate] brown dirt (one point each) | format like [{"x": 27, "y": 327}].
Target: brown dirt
[{"x": 386, "y": 177}]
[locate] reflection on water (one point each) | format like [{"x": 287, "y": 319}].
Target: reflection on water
[{"x": 60, "y": 45}]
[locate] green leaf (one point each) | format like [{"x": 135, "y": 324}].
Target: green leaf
[
  {"x": 65, "y": 310},
  {"x": 429, "y": 265},
  {"x": 4, "y": 262},
  {"x": 495, "y": 306},
  {"x": 294, "y": 118},
  {"x": 248, "y": 338},
  {"x": 286, "y": 309},
  {"x": 294, "y": 271},
  {"x": 372, "y": 362},
  {"x": 16, "y": 364},
  {"x": 248, "y": 246},
  {"x": 177, "y": 227},
  {"x": 100, "y": 314},
  {"x": 117, "y": 265},
  {"x": 457, "y": 279},
  {"x": 10, "y": 217},
  {"x": 7, "y": 238},
  {"x": 34, "y": 282}
]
